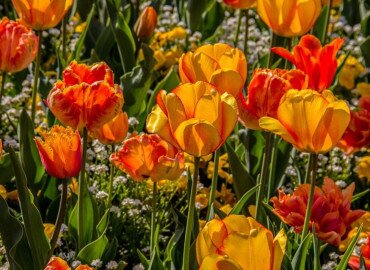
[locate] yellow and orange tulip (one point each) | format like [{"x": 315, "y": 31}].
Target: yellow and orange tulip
[
  {"x": 289, "y": 18},
  {"x": 311, "y": 121},
  {"x": 41, "y": 14},
  {"x": 242, "y": 242},
  {"x": 146, "y": 23},
  {"x": 18, "y": 46},
  {"x": 218, "y": 64},
  {"x": 148, "y": 156},
  {"x": 87, "y": 96},
  {"x": 60, "y": 152},
  {"x": 194, "y": 118},
  {"x": 241, "y": 4},
  {"x": 334, "y": 3},
  {"x": 57, "y": 263}
]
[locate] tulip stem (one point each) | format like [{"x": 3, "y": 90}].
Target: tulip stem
[
  {"x": 236, "y": 39},
  {"x": 272, "y": 175},
  {"x": 110, "y": 194},
  {"x": 64, "y": 40},
  {"x": 81, "y": 191},
  {"x": 246, "y": 36},
  {"x": 212, "y": 193},
  {"x": 313, "y": 170},
  {"x": 2, "y": 89},
  {"x": 36, "y": 76},
  {"x": 60, "y": 218},
  {"x": 153, "y": 221},
  {"x": 326, "y": 25},
  {"x": 190, "y": 220},
  {"x": 264, "y": 175}
]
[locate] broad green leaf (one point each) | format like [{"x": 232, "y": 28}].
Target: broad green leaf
[
  {"x": 6, "y": 169},
  {"x": 143, "y": 259},
  {"x": 299, "y": 259},
  {"x": 103, "y": 223},
  {"x": 213, "y": 18},
  {"x": 238, "y": 207},
  {"x": 111, "y": 252},
  {"x": 365, "y": 25},
  {"x": 155, "y": 263},
  {"x": 316, "y": 253},
  {"x": 94, "y": 250},
  {"x": 345, "y": 258},
  {"x": 195, "y": 10},
  {"x": 365, "y": 49}
]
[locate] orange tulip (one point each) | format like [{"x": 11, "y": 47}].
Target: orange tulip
[
  {"x": 219, "y": 64},
  {"x": 319, "y": 63},
  {"x": 354, "y": 261},
  {"x": 148, "y": 156},
  {"x": 57, "y": 263},
  {"x": 241, "y": 4},
  {"x": 194, "y": 118},
  {"x": 331, "y": 214},
  {"x": 289, "y": 18},
  {"x": 311, "y": 121},
  {"x": 18, "y": 46},
  {"x": 115, "y": 131},
  {"x": 146, "y": 23},
  {"x": 41, "y": 14},
  {"x": 87, "y": 96},
  {"x": 60, "y": 152},
  {"x": 334, "y": 2},
  {"x": 84, "y": 267},
  {"x": 264, "y": 93},
  {"x": 243, "y": 243}
]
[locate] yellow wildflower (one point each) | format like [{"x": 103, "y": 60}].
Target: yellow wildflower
[
  {"x": 49, "y": 229},
  {"x": 350, "y": 71},
  {"x": 363, "y": 168},
  {"x": 363, "y": 89},
  {"x": 3, "y": 192},
  {"x": 223, "y": 168}
]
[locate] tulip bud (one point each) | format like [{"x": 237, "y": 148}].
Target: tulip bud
[{"x": 146, "y": 23}]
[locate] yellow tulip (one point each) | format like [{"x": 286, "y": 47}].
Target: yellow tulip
[
  {"x": 195, "y": 118},
  {"x": 363, "y": 168},
  {"x": 289, "y": 18},
  {"x": 311, "y": 121},
  {"x": 242, "y": 242}
]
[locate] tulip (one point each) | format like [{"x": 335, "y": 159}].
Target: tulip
[
  {"x": 18, "y": 46},
  {"x": 354, "y": 260},
  {"x": 146, "y": 23},
  {"x": 221, "y": 65},
  {"x": 289, "y": 18},
  {"x": 364, "y": 220},
  {"x": 319, "y": 63},
  {"x": 241, "y": 4},
  {"x": 334, "y": 2},
  {"x": 148, "y": 156},
  {"x": 350, "y": 71},
  {"x": 363, "y": 168},
  {"x": 60, "y": 152},
  {"x": 57, "y": 263},
  {"x": 330, "y": 214},
  {"x": 243, "y": 243},
  {"x": 114, "y": 131},
  {"x": 265, "y": 90},
  {"x": 41, "y": 14},
  {"x": 363, "y": 88},
  {"x": 311, "y": 121},
  {"x": 87, "y": 96},
  {"x": 194, "y": 118}
]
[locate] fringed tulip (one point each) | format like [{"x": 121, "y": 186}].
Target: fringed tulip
[
  {"x": 41, "y": 14},
  {"x": 354, "y": 260},
  {"x": 311, "y": 121},
  {"x": 148, "y": 156},
  {"x": 87, "y": 96},
  {"x": 289, "y": 18},
  {"x": 330, "y": 214},
  {"x": 60, "y": 152},
  {"x": 264, "y": 93},
  {"x": 146, "y": 23},
  {"x": 220, "y": 64},
  {"x": 242, "y": 241},
  {"x": 194, "y": 118},
  {"x": 241, "y": 4},
  {"x": 113, "y": 132},
  {"x": 18, "y": 46},
  {"x": 319, "y": 63}
]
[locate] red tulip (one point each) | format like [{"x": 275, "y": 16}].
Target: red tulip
[{"x": 354, "y": 261}]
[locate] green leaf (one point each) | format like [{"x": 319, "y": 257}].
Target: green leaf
[
  {"x": 143, "y": 259},
  {"x": 6, "y": 169},
  {"x": 359, "y": 195},
  {"x": 365, "y": 25},
  {"x": 111, "y": 252},
  {"x": 155, "y": 263},
  {"x": 316, "y": 252},
  {"x": 365, "y": 49},
  {"x": 213, "y": 18},
  {"x": 103, "y": 223},
  {"x": 344, "y": 261},
  {"x": 94, "y": 250},
  {"x": 299, "y": 259},
  {"x": 29, "y": 154},
  {"x": 238, "y": 207},
  {"x": 319, "y": 27},
  {"x": 195, "y": 9},
  {"x": 34, "y": 229}
]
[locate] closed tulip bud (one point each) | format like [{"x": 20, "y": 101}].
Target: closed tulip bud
[
  {"x": 146, "y": 23},
  {"x": 18, "y": 46},
  {"x": 241, "y": 4},
  {"x": 311, "y": 121},
  {"x": 194, "y": 118},
  {"x": 220, "y": 64},
  {"x": 242, "y": 242},
  {"x": 114, "y": 131},
  {"x": 60, "y": 152},
  {"x": 41, "y": 14},
  {"x": 289, "y": 18},
  {"x": 148, "y": 156},
  {"x": 86, "y": 97}
]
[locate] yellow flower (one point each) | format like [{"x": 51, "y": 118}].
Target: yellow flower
[
  {"x": 223, "y": 167},
  {"x": 334, "y": 3},
  {"x": 219, "y": 262},
  {"x": 352, "y": 68},
  {"x": 363, "y": 89},
  {"x": 363, "y": 168},
  {"x": 3, "y": 192},
  {"x": 365, "y": 220},
  {"x": 311, "y": 121},
  {"x": 176, "y": 33},
  {"x": 49, "y": 229}
]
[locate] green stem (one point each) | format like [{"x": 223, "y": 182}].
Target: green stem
[
  {"x": 212, "y": 193},
  {"x": 272, "y": 174},
  {"x": 60, "y": 218},
  {"x": 272, "y": 44},
  {"x": 153, "y": 220},
  {"x": 264, "y": 175},
  {"x": 190, "y": 220},
  {"x": 308, "y": 171},
  {"x": 81, "y": 190},
  {"x": 236, "y": 39},
  {"x": 313, "y": 169},
  {"x": 326, "y": 25},
  {"x": 36, "y": 76},
  {"x": 2, "y": 89},
  {"x": 110, "y": 194},
  {"x": 246, "y": 36},
  {"x": 64, "y": 40}
]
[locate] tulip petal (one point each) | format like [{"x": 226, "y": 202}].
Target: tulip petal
[
  {"x": 218, "y": 262},
  {"x": 280, "y": 242},
  {"x": 273, "y": 125},
  {"x": 222, "y": 78}
]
